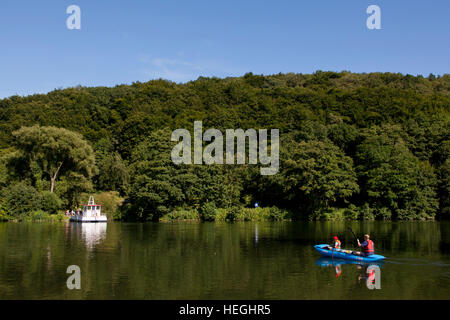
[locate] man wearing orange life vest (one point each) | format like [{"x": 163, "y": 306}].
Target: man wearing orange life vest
[{"x": 367, "y": 246}]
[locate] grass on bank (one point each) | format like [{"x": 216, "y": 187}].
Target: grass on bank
[
  {"x": 208, "y": 212},
  {"x": 35, "y": 216}
]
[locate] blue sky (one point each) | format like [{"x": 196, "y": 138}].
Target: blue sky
[{"x": 138, "y": 40}]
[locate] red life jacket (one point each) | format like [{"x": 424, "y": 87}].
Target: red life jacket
[
  {"x": 369, "y": 248},
  {"x": 371, "y": 276}
]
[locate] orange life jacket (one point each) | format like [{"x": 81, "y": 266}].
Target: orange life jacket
[
  {"x": 337, "y": 244},
  {"x": 338, "y": 270},
  {"x": 369, "y": 248}
]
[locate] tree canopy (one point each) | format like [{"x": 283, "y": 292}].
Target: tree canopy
[
  {"x": 45, "y": 154},
  {"x": 377, "y": 144}
]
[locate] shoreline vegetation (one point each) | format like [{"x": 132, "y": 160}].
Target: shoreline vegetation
[
  {"x": 352, "y": 147},
  {"x": 235, "y": 214}
]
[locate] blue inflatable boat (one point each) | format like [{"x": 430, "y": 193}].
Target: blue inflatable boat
[{"x": 345, "y": 254}]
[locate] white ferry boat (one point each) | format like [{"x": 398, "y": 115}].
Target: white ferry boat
[{"x": 91, "y": 213}]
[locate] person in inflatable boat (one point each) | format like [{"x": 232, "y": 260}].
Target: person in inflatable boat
[
  {"x": 336, "y": 244},
  {"x": 368, "y": 247}
]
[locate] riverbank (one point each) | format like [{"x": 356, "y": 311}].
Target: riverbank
[
  {"x": 117, "y": 209},
  {"x": 35, "y": 216},
  {"x": 351, "y": 213},
  {"x": 210, "y": 213}
]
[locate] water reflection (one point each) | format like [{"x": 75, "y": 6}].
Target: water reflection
[
  {"x": 219, "y": 261},
  {"x": 328, "y": 262},
  {"x": 369, "y": 272},
  {"x": 91, "y": 233}
]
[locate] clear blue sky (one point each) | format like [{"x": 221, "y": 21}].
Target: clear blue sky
[{"x": 138, "y": 40}]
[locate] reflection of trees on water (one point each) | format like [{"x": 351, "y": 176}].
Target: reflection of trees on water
[{"x": 215, "y": 261}]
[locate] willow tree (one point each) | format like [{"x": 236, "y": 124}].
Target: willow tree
[{"x": 50, "y": 152}]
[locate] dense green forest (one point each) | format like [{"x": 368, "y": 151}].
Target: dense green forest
[{"x": 352, "y": 146}]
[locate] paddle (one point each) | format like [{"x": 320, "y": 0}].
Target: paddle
[
  {"x": 353, "y": 233},
  {"x": 351, "y": 230}
]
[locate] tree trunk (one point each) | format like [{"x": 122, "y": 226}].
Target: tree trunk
[{"x": 53, "y": 179}]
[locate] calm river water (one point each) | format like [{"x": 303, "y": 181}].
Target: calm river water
[{"x": 190, "y": 260}]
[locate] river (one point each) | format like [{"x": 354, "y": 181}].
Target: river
[{"x": 248, "y": 260}]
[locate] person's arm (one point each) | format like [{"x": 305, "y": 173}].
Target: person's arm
[{"x": 359, "y": 243}]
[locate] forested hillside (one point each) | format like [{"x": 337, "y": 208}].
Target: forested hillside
[{"x": 352, "y": 146}]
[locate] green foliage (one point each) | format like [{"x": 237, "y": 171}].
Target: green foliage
[
  {"x": 158, "y": 185},
  {"x": 49, "y": 154},
  {"x": 208, "y": 211},
  {"x": 444, "y": 189},
  {"x": 386, "y": 214},
  {"x": 313, "y": 175},
  {"x": 181, "y": 214},
  {"x": 111, "y": 202},
  {"x": 38, "y": 215},
  {"x": 237, "y": 213},
  {"x": 20, "y": 200},
  {"x": 366, "y": 212},
  {"x": 3, "y": 215},
  {"x": 329, "y": 214},
  {"x": 155, "y": 187},
  {"x": 233, "y": 214},
  {"x": 75, "y": 185},
  {"x": 50, "y": 202},
  {"x": 353, "y": 146},
  {"x": 264, "y": 214},
  {"x": 351, "y": 213},
  {"x": 41, "y": 216},
  {"x": 392, "y": 179},
  {"x": 221, "y": 214},
  {"x": 113, "y": 173},
  {"x": 345, "y": 136}
]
